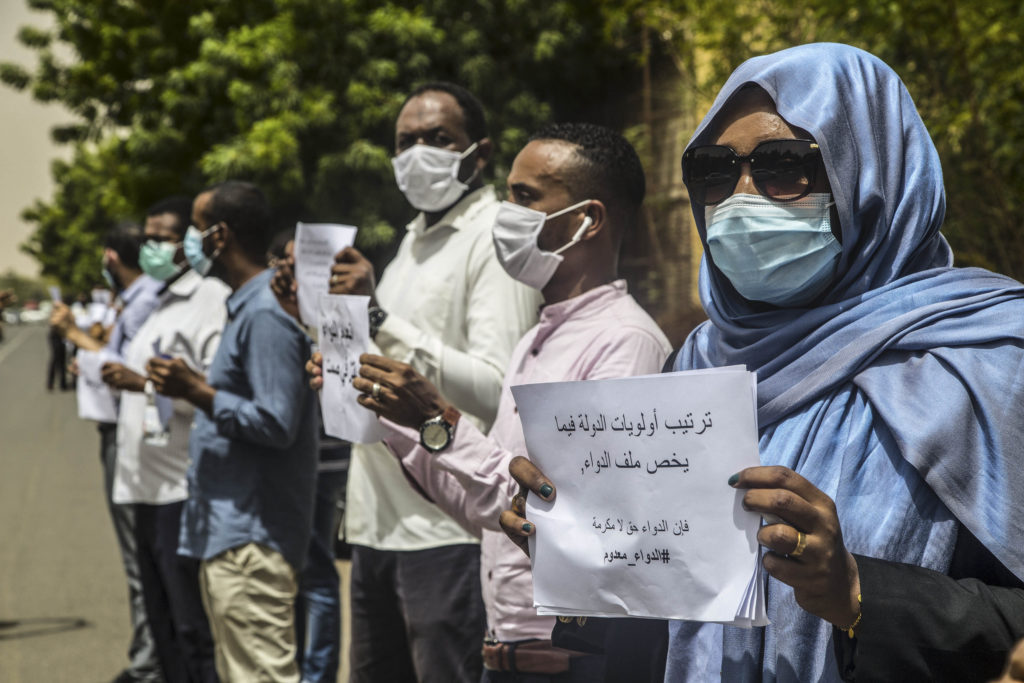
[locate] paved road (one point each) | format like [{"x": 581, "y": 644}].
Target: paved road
[
  {"x": 63, "y": 604},
  {"x": 63, "y": 598}
]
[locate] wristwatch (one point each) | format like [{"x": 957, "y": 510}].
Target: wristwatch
[
  {"x": 437, "y": 432},
  {"x": 377, "y": 317}
]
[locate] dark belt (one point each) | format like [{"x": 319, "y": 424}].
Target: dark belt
[{"x": 530, "y": 657}]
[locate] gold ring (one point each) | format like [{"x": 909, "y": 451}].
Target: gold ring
[
  {"x": 801, "y": 544},
  {"x": 375, "y": 392}
]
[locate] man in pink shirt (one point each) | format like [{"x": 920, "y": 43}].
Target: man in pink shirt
[{"x": 575, "y": 191}]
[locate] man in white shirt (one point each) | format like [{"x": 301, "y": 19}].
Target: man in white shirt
[
  {"x": 153, "y": 441},
  {"x": 575, "y": 190},
  {"x": 446, "y": 306}
]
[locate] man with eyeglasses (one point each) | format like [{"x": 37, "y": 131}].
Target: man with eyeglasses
[
  {"x": 446, "y": 306},
  {"x": 153, "y": 438}
]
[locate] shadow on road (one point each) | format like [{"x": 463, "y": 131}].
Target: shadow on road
[{"x": 40, "y": 626}]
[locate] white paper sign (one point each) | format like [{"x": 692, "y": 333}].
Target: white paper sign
[
  {"x": 54, "y": 293},
  {"x": 315, "y": 247},
  {"x": 95, "y": 399},
  {"x": 344, "y": 335},
  {"x": 644, "y": 522}
]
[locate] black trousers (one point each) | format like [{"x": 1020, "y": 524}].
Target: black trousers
[
  {"x": 58, "y": 362},
  {"x": 417, "y": 615},
  {"x": 170, "y": 588}
]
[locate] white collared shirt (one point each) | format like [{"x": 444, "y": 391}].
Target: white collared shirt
[
  {"x": 455, "y": 315},
  {"x": 187, "y": 323}
]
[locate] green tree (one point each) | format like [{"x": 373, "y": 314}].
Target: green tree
[
  {"x": 297, "y": 95},
  {"x": 960, "y": 61}
]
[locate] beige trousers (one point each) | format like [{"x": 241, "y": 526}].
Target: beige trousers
[{"x": 249, "y": 596}]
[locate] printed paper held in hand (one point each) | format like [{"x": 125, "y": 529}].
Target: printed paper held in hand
[
  {"x": 644, "y": 522},
  {"x": 95, "y": 399},
  {"x": 315, "y": 247},
  {"x": 344, "y": 330}
]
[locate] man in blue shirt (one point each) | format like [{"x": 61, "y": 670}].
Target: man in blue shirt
[
  {"x": 137, "y": 296},
  {"x": 253, "y": 446}
]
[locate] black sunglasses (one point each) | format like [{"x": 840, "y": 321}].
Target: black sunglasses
[{"x": 783, "y": 170}]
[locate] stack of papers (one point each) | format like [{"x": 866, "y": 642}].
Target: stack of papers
[{"x": 644, "y": 523}]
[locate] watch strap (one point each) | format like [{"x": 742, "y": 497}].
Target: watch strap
[
  {"x": 377, "y": 316},
  {"x": 451, "y": 415}
]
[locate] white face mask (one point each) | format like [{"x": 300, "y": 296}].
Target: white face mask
[
  {"x": 429, "y": 176},
  {"x": 515, "y": 232},
  {"x": 783, "y": 253}
]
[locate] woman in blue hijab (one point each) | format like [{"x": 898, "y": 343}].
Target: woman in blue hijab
[{"x": 890, "y": 384}]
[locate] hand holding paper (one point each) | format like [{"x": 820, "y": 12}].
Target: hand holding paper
[
  {"x": 314, "y": 250},
  {"x": 644, "y": 523},
  {"x": 531, "y": 480},
  {"x": 352, "y": 273},
  {"x": 173, "y": 378},
  {"x": 283, "y": 284},
  {"x": 405, "y": 396},
  {"x": 95, "y": 399},
  {"x": 344, "y": 335},
  {"x": 315, "y": 370},
  {"x": 823, "y": 573}
]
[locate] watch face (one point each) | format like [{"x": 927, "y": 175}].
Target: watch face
[{"x": 434, "y": 436}]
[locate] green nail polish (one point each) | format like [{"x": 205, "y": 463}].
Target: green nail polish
[
  {"x": 527, "y": 527},
  {"x": 734, "y": 479},
  {"x": 545, "y": 490}
]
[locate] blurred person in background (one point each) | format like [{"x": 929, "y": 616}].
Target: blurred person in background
[
  {"x": 137, "y": 296},
  {"x": 153, "y": 441}
]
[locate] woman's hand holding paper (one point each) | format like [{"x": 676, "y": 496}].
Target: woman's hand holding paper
[{"x": 806, "y": 550}]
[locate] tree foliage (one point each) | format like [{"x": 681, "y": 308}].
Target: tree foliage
[
  {"x": 299, "y": 96},
  {"x": 960, "y": 61}
]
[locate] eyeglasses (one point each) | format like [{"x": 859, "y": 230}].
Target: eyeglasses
[{"x": 783, "y": 170}]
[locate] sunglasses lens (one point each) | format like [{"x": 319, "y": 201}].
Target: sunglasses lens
[
  {"x": 710, "y": 173},
  {"x": 785, "y": 169}
]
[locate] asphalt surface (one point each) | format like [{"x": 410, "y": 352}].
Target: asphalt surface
[{"x": 63, "y": 597}]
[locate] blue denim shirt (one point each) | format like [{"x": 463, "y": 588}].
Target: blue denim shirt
[{"x": 252, "y": 475}]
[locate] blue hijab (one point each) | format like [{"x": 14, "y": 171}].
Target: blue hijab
[{"x": 901, "y": 392}]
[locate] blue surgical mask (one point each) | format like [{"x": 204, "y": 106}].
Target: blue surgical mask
[
  {"x": 782, "y": 253},
  {"x": 193, "y": 246}
]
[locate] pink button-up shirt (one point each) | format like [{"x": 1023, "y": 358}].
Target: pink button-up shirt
[{"x": 600, "y": 334}]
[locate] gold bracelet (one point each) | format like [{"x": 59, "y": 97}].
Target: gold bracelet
[{"x": 860, "y": 613}]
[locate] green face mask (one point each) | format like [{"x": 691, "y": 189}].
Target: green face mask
[{"x": 157, "y": 260}]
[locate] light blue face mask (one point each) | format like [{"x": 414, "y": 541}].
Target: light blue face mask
[
  {"x": 782, "y": 253},
  {"x": 193, "y": 246}
]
